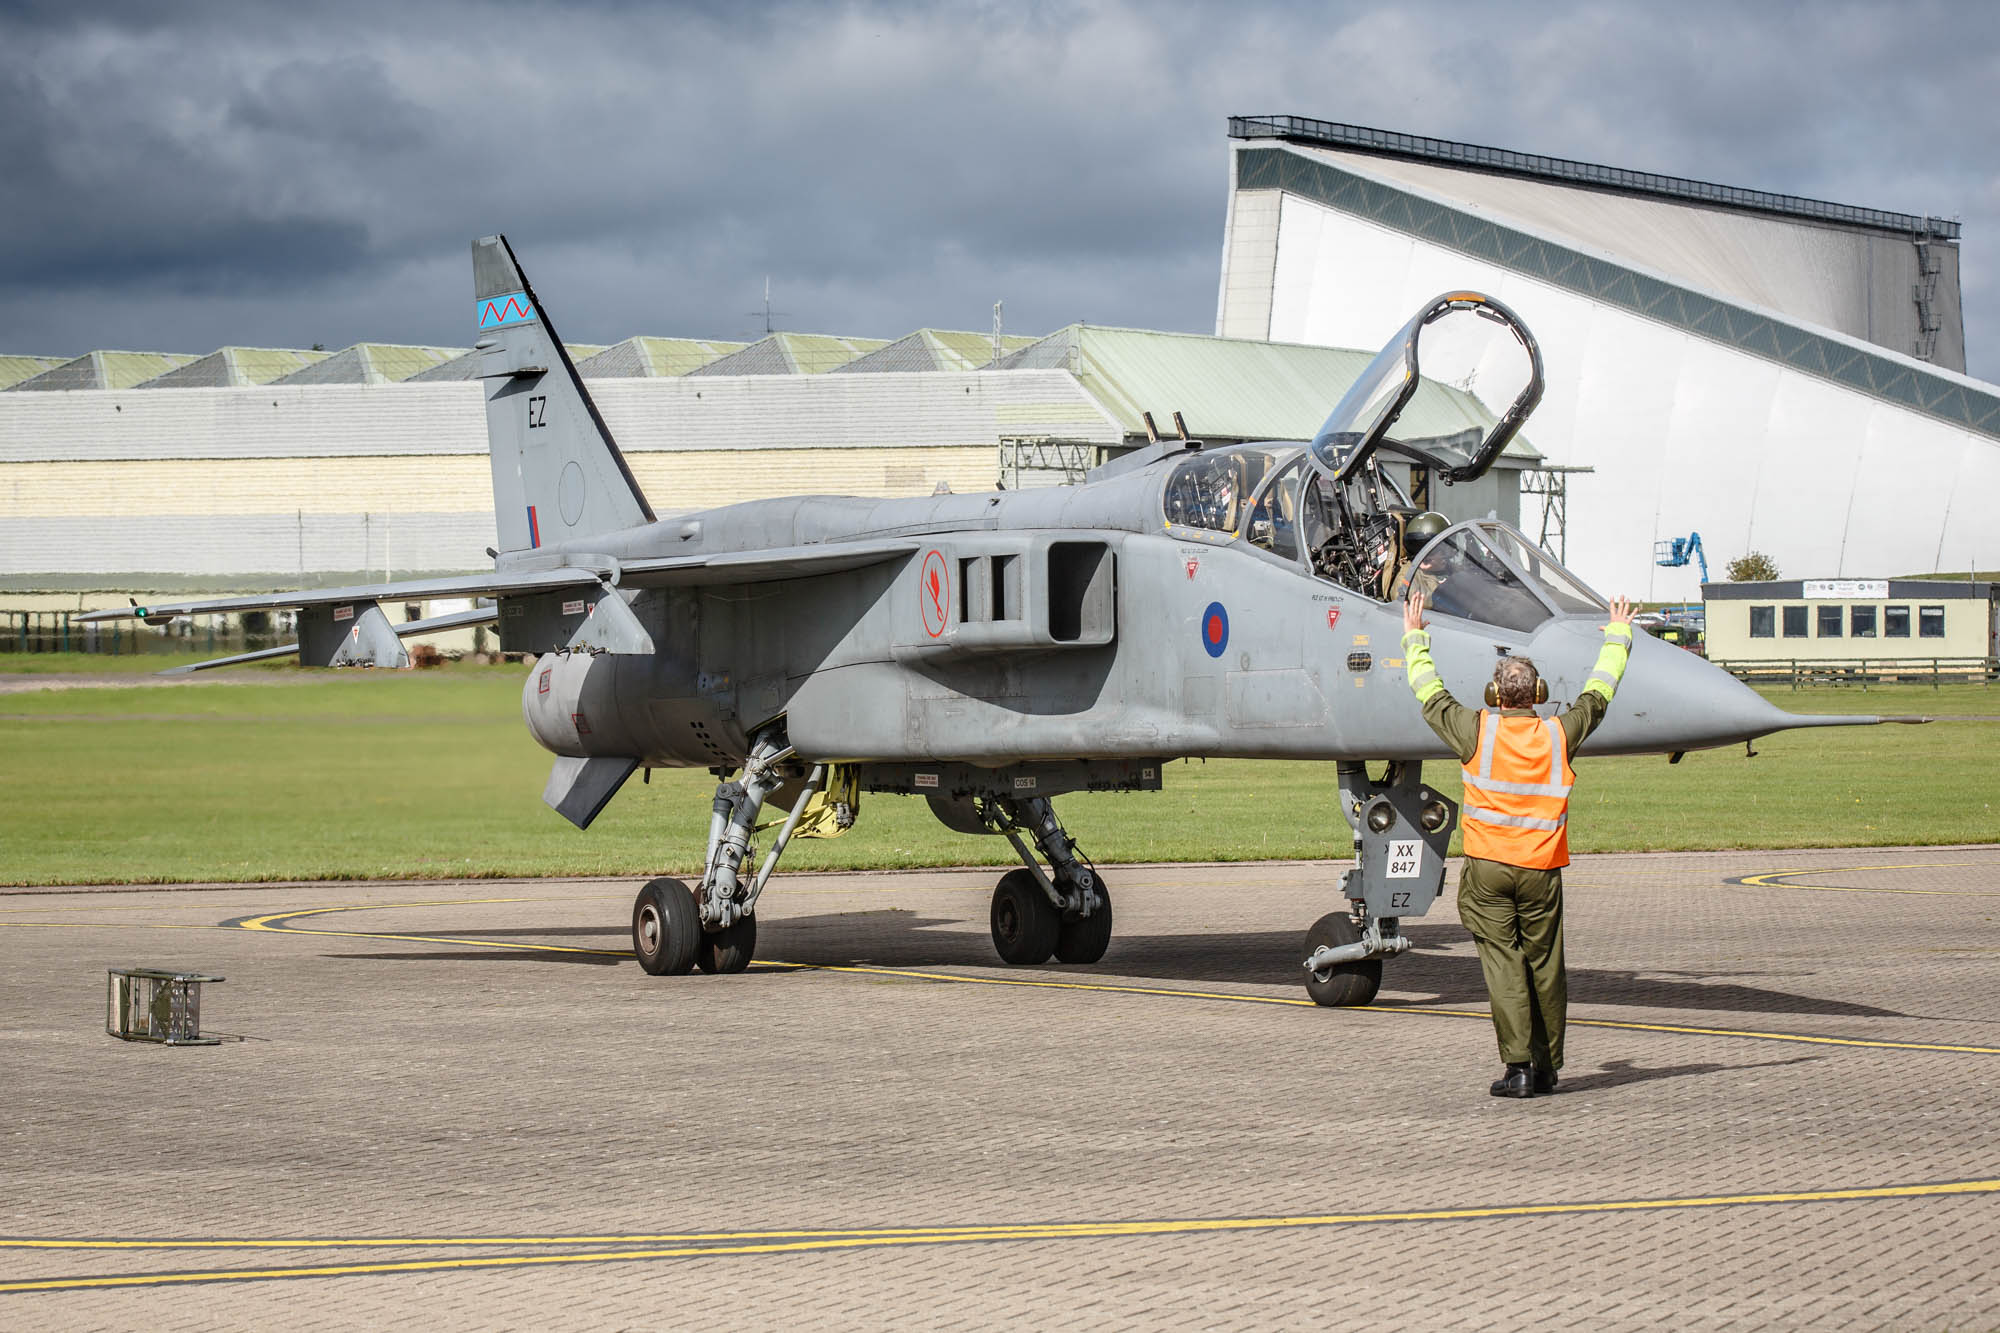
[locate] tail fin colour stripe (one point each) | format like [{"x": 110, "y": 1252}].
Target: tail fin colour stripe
[{"x": 557, "y": 473}]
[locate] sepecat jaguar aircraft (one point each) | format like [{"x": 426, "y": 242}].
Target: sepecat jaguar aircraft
[{"x": 989, "y": 652}]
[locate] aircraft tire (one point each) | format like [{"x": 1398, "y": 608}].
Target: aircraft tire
[
  {"x": 1084, "y": 939},
  {"x": 665, "y": 928},
  {"x": 1348, "y": 983},
  {"x": 1025, "y": 922},
  {"x": 728, "y": 949}
]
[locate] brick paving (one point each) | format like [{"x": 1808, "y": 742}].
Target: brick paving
[{"x": 408, "y": 1090}]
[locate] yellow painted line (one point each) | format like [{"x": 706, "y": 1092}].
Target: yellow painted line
[
  {"x": 792, "y": 1242},
  {"x": 1774, "y": 879}
]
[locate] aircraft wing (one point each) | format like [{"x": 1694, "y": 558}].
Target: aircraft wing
[
  {"x": 497, "y": 584},
  {"x": 346, "y": 626},
  {"x": 792, "y": 562},
  {"x": 478, "y": 615}
]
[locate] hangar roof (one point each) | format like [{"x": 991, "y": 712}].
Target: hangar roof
[
  {"x": 104, "y": 370},
  {"x": 1233, "y": 388},
  {"x": 1506, "y": 162},
  {"x": 644, "y": 356},
  {"x": 465, "y": 366},
  {"x": 235, "y": 367},
  {"x": 14, "y": 369},
  {"x": 372, "y": 363},
  {"x": 934, "y": 349},
  {"x": 792, "y": 354}
]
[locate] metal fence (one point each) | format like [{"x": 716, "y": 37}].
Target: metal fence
[
  {"x": 1863, "y": 672},
  {"x": 61, "y": 632}
]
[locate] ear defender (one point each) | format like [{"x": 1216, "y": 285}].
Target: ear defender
[{"x": 1492, "y": 693}]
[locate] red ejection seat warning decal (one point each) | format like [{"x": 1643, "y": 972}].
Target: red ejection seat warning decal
[{"x": 934, "y": 593}]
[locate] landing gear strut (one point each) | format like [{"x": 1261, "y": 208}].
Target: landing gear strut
[
  {"x": 1401, "y": 830},
  {"x": 1064, "y": 911},
  {"x": 714, "y": 926}
]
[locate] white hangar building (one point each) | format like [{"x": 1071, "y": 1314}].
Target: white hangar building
[{"x": 1778, "y": 374}]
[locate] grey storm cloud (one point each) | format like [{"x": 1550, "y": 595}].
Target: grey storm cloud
[{"x": 180, "y": 177}]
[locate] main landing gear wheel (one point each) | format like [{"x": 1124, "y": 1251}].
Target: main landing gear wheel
[
  {"x": 665, "y": 928},
  {"x": 1083, "y": 939},
  {"x": 1346, "y": 983},
  {"x": 1026, "y": 924},
  {"x": 728, "y": 949}
]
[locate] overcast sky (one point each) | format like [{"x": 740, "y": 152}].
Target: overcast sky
[{"x": 188, "y": 175}]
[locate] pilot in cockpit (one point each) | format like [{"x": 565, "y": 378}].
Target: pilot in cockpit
[{"x": 1425, "y": 576}]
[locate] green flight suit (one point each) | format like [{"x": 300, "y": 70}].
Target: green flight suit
[{"x": 1515, "y": 913}]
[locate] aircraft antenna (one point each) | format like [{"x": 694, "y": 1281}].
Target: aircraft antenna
[
  {"x": 1152, "y": 431},
  {"x": 1180, "y": 425},
  {"x": 996, "y": 331}
]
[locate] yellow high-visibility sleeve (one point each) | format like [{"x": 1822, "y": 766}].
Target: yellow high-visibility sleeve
[
  {"x": 1421, "y": 671},
  {"x": 1611, "y": 659}
]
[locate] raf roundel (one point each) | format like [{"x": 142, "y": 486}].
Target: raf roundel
[{"x": 1215, "y": 629}]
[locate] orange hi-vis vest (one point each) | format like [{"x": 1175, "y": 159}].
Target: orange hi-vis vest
[{"x": 1517, "y": 793}]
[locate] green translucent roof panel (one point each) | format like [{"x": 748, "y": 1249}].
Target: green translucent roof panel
[{"x": 14, "y": 369}]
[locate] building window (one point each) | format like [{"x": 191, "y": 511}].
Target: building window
[
  {"x": 1895, "y": 622},
  {"x": 1861, "y": 621},
  {"x": 1763, "y": 622},
  {"x": 1795, "y": 622},
  {"x": 1930, "y": 622},
  {"x": 1829, "y": 622}
]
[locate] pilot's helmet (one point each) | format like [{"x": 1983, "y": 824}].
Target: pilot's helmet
[{"x": 1420, "y": 531}]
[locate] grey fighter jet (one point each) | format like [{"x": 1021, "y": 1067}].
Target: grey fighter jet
[{"x": 989, "y": 652}]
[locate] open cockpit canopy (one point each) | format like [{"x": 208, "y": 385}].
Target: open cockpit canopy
[
  {"x": 1489, "y": 573},
  {"x": 1465, "y": 349}
]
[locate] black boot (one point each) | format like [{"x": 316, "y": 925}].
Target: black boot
[
  {"x": 1545, "y": 1081},
  {"x": 1518, "y": 1081}
]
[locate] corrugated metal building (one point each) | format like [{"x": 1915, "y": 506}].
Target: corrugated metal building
[{"x": 1778, "y": 374}]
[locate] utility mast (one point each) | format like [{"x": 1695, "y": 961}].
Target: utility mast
[{"x": 767, "y": 312}]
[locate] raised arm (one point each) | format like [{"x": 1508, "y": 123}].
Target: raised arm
[
  {"x": 1583, "y": 716},
  {"x": 1455, "y": 724}
]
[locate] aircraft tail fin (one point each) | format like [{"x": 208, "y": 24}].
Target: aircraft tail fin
[{"x": 557, "y": 473}]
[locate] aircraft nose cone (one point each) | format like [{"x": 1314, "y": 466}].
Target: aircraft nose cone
[{"x": 1671, "y": 699}]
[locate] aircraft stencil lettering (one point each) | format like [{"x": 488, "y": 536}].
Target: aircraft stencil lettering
[{"x": 990, "y": 652}]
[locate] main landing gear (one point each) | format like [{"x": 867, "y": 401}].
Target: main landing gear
[
  {"x": 1064, "y": 911},
  {"x": 714, "y": 925},
  {"x": 1401, "y": 831}
]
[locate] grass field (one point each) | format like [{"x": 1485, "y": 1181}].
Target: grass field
[{"x": 273, "y": 773}]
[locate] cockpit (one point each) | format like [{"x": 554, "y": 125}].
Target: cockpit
[
  {"x": 1331, "y": 508},
  {"x": 1269, "y": 498}
]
